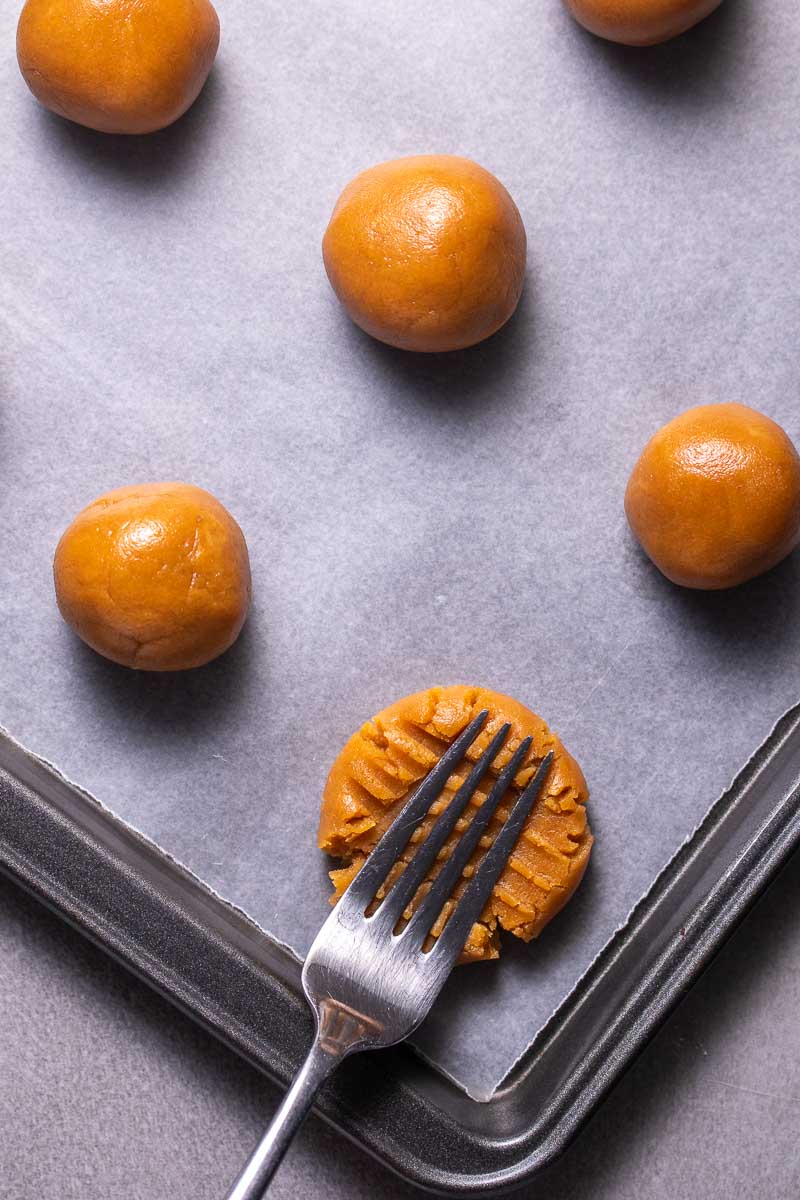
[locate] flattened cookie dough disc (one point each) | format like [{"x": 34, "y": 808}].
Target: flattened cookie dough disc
[{"x": 384, "y": 760}]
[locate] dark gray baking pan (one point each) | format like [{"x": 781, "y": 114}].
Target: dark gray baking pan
[{"x": 203, "y": 954}]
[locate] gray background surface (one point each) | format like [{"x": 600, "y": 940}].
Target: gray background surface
[
  {"x": 108, "y": 1094},
  {"x": 105, "y": 1091},
  {"x": 411, "y": 519}
]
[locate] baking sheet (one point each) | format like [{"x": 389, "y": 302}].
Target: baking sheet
[{"x": 411, "y": 520}]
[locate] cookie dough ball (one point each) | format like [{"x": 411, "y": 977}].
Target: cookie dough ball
[
  {"x": 640, "y": 22},
  {"x": 154, "y": 577},
  {"x": 426, "y": 253},
  {"x": 114, "y": 65},
  {"x": 383, "y": 762},
  {"x": 715, "y": 497}
]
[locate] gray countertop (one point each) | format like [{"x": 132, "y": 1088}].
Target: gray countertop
[{"x": 109, "y": 1094}]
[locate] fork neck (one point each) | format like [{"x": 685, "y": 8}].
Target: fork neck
[{"x": 341, "y": 1030}]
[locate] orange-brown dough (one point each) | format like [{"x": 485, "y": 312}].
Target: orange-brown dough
[
  {"x": 155, "y": 577},
  {"x": 120, "y": 66},
  {"x": 640, "y": 22},
  {"x": 715, "y": 496},
  {"x": 381, "y": 763},
  {"x": 426, "y": 253}
]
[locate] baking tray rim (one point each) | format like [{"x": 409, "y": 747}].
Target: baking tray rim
[{"x": 424, "y": 1124}]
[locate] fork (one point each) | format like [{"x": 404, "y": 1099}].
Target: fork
[{"x": 371, "y": 982}]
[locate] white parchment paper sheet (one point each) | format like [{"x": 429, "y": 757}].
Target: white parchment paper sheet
[{"x": 411, "y": 520}]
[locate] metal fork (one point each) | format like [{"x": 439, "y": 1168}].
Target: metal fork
[{"x": 371, "y": 983}]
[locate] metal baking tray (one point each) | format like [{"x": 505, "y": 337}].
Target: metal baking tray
[{"x": 214, "y": 963}]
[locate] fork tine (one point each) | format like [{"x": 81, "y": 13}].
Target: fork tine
[
  {"x": 419, "y": 926},
  {"x": 452, "y": 939},
  {"x": 414, "y": 874},
  {"x": 397, "y": 836}
]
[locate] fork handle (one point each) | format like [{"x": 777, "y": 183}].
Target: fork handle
[{"x": 266, "y": 1158}]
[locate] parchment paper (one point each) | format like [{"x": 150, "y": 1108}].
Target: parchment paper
[{"x": 411, "y": 520}]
